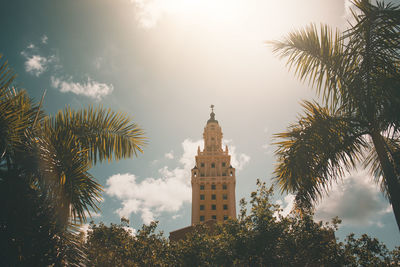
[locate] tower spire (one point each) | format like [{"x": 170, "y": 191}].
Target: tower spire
[{"x": 212, "y": 115}]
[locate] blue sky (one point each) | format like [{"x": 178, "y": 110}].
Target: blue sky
[{"x": 163, "y": 62}]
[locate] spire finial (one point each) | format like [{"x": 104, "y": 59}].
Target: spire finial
[{"x": 212, "y": 115}]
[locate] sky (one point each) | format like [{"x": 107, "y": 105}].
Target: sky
[{"x": 163, "y": 63}]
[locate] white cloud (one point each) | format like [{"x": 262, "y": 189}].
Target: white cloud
[
  {"x": 35, "y": 64},
  {"x": 169, "y": 155},
  {"x": 92, "y": 215},
  {"x": 168, "y": 193},
  {"x": 150, "y": 196},
  {"x": 130, "y": 230},
  {"x": 238, "y": 161},
  {"x": 91, "y": 88},
  {"x": 189, "y": 152},
  {"x": 357, "y": 201},
  {"x": 287, "y": 204},
  {"x": 44, "y": 39}
]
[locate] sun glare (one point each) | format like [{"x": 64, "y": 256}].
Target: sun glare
[{"x": 149, "y": 12}]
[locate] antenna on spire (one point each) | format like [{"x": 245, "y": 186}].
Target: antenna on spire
[{"x": 212, "y": 115}]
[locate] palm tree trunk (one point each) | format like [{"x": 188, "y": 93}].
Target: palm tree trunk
[{"x": 389, "y": 173}]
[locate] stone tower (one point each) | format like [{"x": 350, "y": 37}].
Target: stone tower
[{"x": 213, "y": 178}]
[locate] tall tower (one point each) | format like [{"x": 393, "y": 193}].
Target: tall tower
[{"x": 213, "y": 178}]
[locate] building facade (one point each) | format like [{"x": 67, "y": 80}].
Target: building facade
[{"x": 213, "y": 178}]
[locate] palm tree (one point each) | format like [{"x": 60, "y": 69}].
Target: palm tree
[
  {"x": 71, "y": 142},
  {"x": 356, "y": 73},
  {"x": 45, "y": 184}
]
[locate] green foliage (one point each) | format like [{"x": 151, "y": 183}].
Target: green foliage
[
  {"x": 366, "y": 251},
  {"x": 117, "y": 245},
  {"x": 357, "y": 74},
  {"x": 262, "y": 237}
]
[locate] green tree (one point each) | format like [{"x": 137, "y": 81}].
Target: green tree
[
  {"x": 70, "y": 143},
  {"x": 357, "y": 75},
  {"x": 366, "y": 251},
  {"x": 45, "y": 184},
  {"x": 261, "y": 236},
  {"x": 118, "y": 245}
]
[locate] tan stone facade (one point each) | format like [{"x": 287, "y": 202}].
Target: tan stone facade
[{"x": 213, "y": 178}]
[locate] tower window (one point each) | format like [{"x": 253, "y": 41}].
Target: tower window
[
  {"x": 202, "y": 218},
  {"x": 223, "y": 164},
  {"x": 202, "y": 197},
  {"x": 225, "y": 207},
  {"x": 224, "y": 197},
  {"x": 225, "y": 217},
  {"x": 224, "y": 187},
  {"x": 213, "y": 187},
  {"x": 224, "y": 174},
  {"x": 214, "y": 217},
  {"x": 202, "y": 187},
  {"x": 201, "y": 207},
  {"x": 202, "y": 164},
  {"x": 195, "y": 174},
  {"x": 213, "y": 197},
  {"x": 212, "y": 165},
  {"x": 213, "y": 207}
]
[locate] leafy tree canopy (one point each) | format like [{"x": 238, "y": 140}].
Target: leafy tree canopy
[{"x": 261, "y": 236}]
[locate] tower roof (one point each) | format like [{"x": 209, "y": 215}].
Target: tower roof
[{"x": 212, "y": 115}]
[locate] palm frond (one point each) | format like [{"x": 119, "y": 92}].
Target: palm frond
[
  {"x": 316, "y": 151},
  {"x": 317, "y": 56},
  {"x": 16, "y": 118},
  {"x": 375, "y": 38},
  {"x": 65, "y": 177},
  {"x": 105, "y": 134},
  {"x": 7, "y": 76},
  {"x": 70, "y": 142}
]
